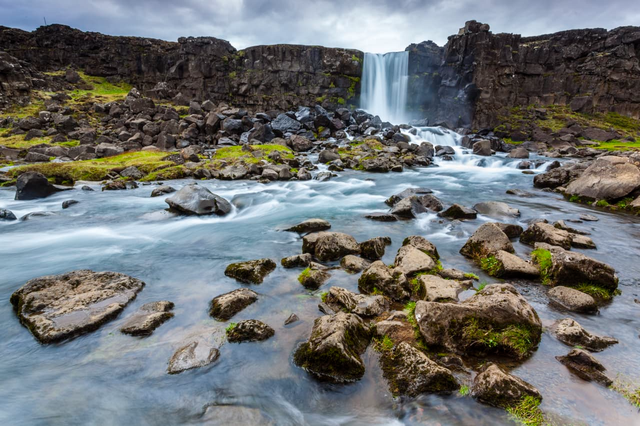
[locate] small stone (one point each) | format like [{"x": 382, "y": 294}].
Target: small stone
[
  {"x": 226, "y": 305},
  {"x": 291, "y": 319},
  {"x": 69, "y": 203},
  {"x": 569, "y": 332},
  {"x": 298, "y": 260},
  {"x": 250, "y": 331},
  {"x": 585, "y": 366},
  {"x": 573, "y": 300},
  {"x": 162, "y": 190},
  {"x": 251, "y": 271},
  {"x": 310, "y": 225}
]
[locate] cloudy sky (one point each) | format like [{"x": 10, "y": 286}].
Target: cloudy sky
[{"x": 373, "y": 26}]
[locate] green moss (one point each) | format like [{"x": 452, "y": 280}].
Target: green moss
[
  {"x": 304, "y": 275},
  {"x": 544, "y": 261},
  {"x": 102, "y": 90},
  {"x": 471, "y": 276},
  {"x": 491, "y": 265},
  {"x": 321, "y": 99},
  {"x": 233, "y": 74},
  {"x": 230, "y": 327},
  {"x": 482, "y": 286},
  {"x": 18, "y": 142},
  {"x": 323, "y": 295},
  {"x": 233, "y": 153},
  {"x": 516, "y": 339},
  {"x": 464, "y": 390},
  {"x": 355, "y": 58},
  {"x": 527, "y": 412},
  {"x": 596, "y": 291},
  {"x": 602, "y": 203},
  {"x": 626, "y": 389},
  {"x": 341, "y": 101},
  {"x": 385, "y": 344},
  {"x": 168, "y": 173}
]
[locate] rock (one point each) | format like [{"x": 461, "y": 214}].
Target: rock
[
  {"x": 58, "y": 307},
  {"x": 34, "y": 185},
  {"x": 283, "y": 124},
  {"x": 411, "y": 260},
  {"x": 7, "y": 215},
  {"x": 541, "y": 232},
  {"x": 511, "y": 266},
  {"x": 457, "y": 211},
  {"x": 589, "y": 218},
  {"x": 298, "y": 260},
  {"x": 586, "y": 366},
  {"x": 250, "y": 271},
  {"x": 225, "y": 306},
  {"x": 496, "y": 209},
  {"x": 437, "y": 289},
  {"x": 333, "y": 350},
  {"x": 408, "y": 208},
  {"x": 328, "y": 156},
  {"x": 291, "y": 319},
  {"x": 351, "y": 263},
  {"x": 394, "y": 199},
  {"x": 250, "y": 331},
  {"x": 119, "y": 185},
  {"x": 422, "y": 244},
  {"x": 391, "y": 282},
  {"x": 487, "y": 239},
  {"x": 482, "y": 147},
  {"x": 313, "y": 277},
  {"x": 456, "y": 274},
  {"x": 193, "y": 355},
  {"x": 373, "y": 249},
  {"x": 494, "y": 386},
  {"x": 162, "y": 190},
  {"x": 108, "y": 150},
  {"x": 132, "y": 172},
  {"x": 223, "y": 415},
  {"x": 68, "y": 203},
  {"x": 382, "y": 217},
  {"x": 149, "y": 317},
  {"x": 560, "y": 224},
  {"x": 512, "y": 231},
  {"x": 476, "y": 327},
  {"x": 410, "y": 372},
  {"x": 300, "y": 143},
  {"x": 365, "y": 306},
  {"x": 571, "y": 333},
  {"x": 582, "y": 241},
  {"x": 330, "y": 246},
  {"x": 310, "y": 225},
  {"x": 608, "y": 178},
  {"x": 573, "y": 300},
  {"x": 198, "y": 200},
  {"x": 519, "y": 153},
  {"x": 233, "y": 172}
]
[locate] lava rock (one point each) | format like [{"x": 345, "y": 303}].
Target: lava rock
[{"x": 34, "y": 185}]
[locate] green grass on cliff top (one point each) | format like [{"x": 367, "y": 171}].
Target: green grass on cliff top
[
  {"x": 102, "y": 91},
  {"x": 236, "y": 153},
  {"x": 18, "y": 142}
]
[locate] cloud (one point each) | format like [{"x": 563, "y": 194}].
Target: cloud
[{"x": 374, "y": 26}]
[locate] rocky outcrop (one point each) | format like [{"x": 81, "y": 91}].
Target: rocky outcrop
[
  {"x": 58, "y": 307},
  {"x": 380, "y": 278}
]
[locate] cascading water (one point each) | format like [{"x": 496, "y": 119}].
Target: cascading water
[{"x": 385, "y": 80}]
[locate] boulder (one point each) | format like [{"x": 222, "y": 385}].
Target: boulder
[
  {"x": 512, "y": 231},
  {"x": 608, "y": 178},
  {"x": 394, "y": 199},
  {"x": 571, "y": 333},
  {"x": 313, "y": 277},
  {"x": 482, "y": 147},
  {"x": 366, "y": 306},
  {"x": 411, "y": 261},
  {"x": 333, "y": 350},
  {"x": 34, "y": 185},
  {"x": 328, "y": 156},
  {"x": 373, "y": 249},
  {"x": 541, "y": 232},
  {"x": 486, "y": 240},
  {"x": 162, "y": 190},
  {"x": 410, "y": 372},
  {"x": 437, "y": 289},
  {"x": 298, "y": 260},
  {"x": 477, "y": 327},
  {"x": 330, "y": 246},
  {"x": 573, "y": 300},
  {"x": 192, "y": 355},
  {"x": 586, "y": 366},
  {"x": 249, "y": 331},
  {"x": 225, "y": 306},
  {"x": 408, "y": 208},
  {"x": 198, "y": 200},
  {"x": 422, "y": 244},
  {"x": 250, "y": 271},
  {"x": 496, "y": 209},
  {"x": 382, "y": 217},
  {"x": 300, "y": 143},
  {"x": 58, "y": 307},
  {"x": 132, "y": 172},
  {"x": 351, "y": 263},
  {"x": 284, "y": 124},
  {"x": 391, "y": 282},
  {"x": 494, "y": 386},
  {"x": 457, "y": 211},
  {"x": 310, "y": 225},
  {"x": 509, "y": 265},
  {"x": 7, "y": 215},
  {"x": 519, "y": 153},
  {"x": 149, "y": 317}
]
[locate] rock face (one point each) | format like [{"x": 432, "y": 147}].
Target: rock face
[
  {"x": 250, "y": 331},
  {"x": 251, "y": 271},
  {"x": 573, "y": 300},
  {"x": 365, "y": 306},
  {"x": 330, "y": 246},
  {"x": 149, "y": 317},
  {"x": 198, "y": 200},
  {"x": 571, "y": 333},
  {"x": 226, "y": 305},
  {"x": 333, "y": 351},
  {"x": 193, "y": 355},
  {"x": 493, "y": 386},
  {"x": 585, "y": 366},
  {"x": 58, "y": 307},
  {"x": 478, "y": 326},
  {"x": 310, "y": 225},
  {"x": 410, "y": 372},
  {"x": 391, "y": 282},
  {"x": 33, "y": 185},
  {"x": 487, "y": 239},
  {"x": 608, "y": 178}
]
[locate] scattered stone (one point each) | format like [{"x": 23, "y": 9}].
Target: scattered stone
[
  {"x": 589, "y": 218},
  {"x": 459, "y": 212},
  {"x": 541, "y": 232},
  {"x": 511, "y": 266},
  {"x": 373, "y": 249},
  {"x": 330, "y": 246},
  {"x": 394, "y": 199},
  {"x": 365, "y": 306},
  {"x": 296, "y": 261},
  {"x": 196, "y": 354},
  {"x": 408, "y": 208},
  {"x": 422, "y": 244},
  {"x": 250, "y": 271},
  {"x": 391, "y": 282},
  {"x": 198, "y": 200},
  {"x": 7, "y": 215},
  {"x": 291, "y": 319},
  {"x": 250, "y": 331},
  {"x": 149, "y": 317},
  {"x": 496, "y": 209},
  {"x": 571, "y": 333},
  {"x": 69, "y": 203},
  {"x": 225, "y": 306},
  {"x": 58, "y": 307},
  {"x": 34, "y": 185},
  {"x": 573, "y": 300},
  {"x": 310, "y": 225},
  {"x": 494, "y": 386},
  {"x": 586, "y": 366},
  {"x": 353, "y": 264},
  {"x": 162, "y": 190},
  {"x": 487, "y": 239},
  {"x": 313, "y": 277},
  {"x": 560, "y": 224}
]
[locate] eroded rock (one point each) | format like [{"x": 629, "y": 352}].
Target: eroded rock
[
  {"x": 149, "y": 317},
  {"x": 198, "y": 200},
  {"x": 569, "y": 332},
  {"x": 494, "y": 386},
  {"x": 250, "y": 331},
  {"x": 251, "y": 271},
  {"x": 226, "y": 305},
  {"x": 391, "y": 282}
]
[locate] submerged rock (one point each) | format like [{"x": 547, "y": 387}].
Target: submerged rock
[
  {"x": 395, "y": 199},
  {"x": 573, "y": 300},
  {"x": 408, "y": 208},
  {"x": 291, "y": 319},
  {"x": 541, "y": 232},
  {"x": 7, "y": 215},
  {"x": 193, "y": 355},
  {"x": 251, "y": 271},
  {"x": 68, "y": 203},
  {"x": 226, "y": 305},
  {"x": 365, "y": 306},
  {"x": 382, "y": 217},
  {"x": 198, "y": 200},
  {"x": 571, "y": 333},
  {"x": 586, "y": 366},
  {"x": 494, "y": 386},
  {"x": 457, "y": 211},
  {"x": 310, "y": 225},
  {"x": 149, "y": 317},
  {"x": 391, "y": 282},
  {"x": 333, "y": 350},
  {"x": 34, "y": 185},
  {"x": 58, "y": 307},
  {"x": 249, "y": 331}
]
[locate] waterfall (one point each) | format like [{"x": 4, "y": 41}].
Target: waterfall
[{"x": 384, "y": 85}]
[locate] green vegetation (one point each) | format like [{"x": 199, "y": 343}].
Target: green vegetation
[
  {"x": 630, "y": 392},
  {"x": 464, "y": 390},
  {"x": 482, "y": 286},
  {"x": 233, "y": 154},
  {"x": 18, "y": 142},
  {"x": 304, "y": 275},
  {"x": 543, "y": 259},
  {"x": 410, "y": 310},
  {"x": 471, "y": 276},
  {"x": 323, "y": 295},
  {"x": 101, "y": 91},
  {"x": 491, "y": 265},
  {"x": 230, "y": 327},
  {"x": 596, "y": 292},
  {"x": 355, "y": 58},
  {"x": 602, "y": 203},
  {"x": 515, "y": 338},
  {"x": 527, "y": 412},
  {"x": 384, "y": 345}
]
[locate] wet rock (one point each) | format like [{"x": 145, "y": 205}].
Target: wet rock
[
  {"x": 456, "y": 274},
  {"x": 333, "y": 350},
  {"x": 573, "y": 300},
  {"x": 608, "y": 178},
  {"x": 198, "y": 200},
  {"x": 196, "y": 354},
  {"x": 351, "y": 263},
  {"x": 149, "y": 317},
  {"x": 310, "y": 225},
  {"x": 476, "y": 327},
  {"x": 582, "y": 241},
  {"x": 422, "y": 244},
  {"x": 586, "y": 366},
  {"x": 411, "y": 260},
  {"x": 313, "y": 277},
  {"x": 34, "y": 185},
  {"x": 298, "y": 260},
  {"x": 394, "y": 199},
  {"x": 32, "y": 215},
  {"x": 328, "y": 156},
  {"x": 494, "y": 386},
  {"x": 519, "y": 193},
  {"x": 250, "y": 331},
  {"x": 496, "y": 209},
  {"x": 233, "y": 172},
  {"x": 162, "y": 190},
  {"x": 391, "y": 282},
  {"x": 226, "y": 305},
  {"x": 7, "y": 215},
  {"x": 571, "y": 333},
  {"x": 519, "y": 153},
  {"x": 541, "y": 232},
  {"x": 373, "y": 249},
  {"x": 437, "y": 289},
  {"x": 560, "y": 224},
  {"x": 589, "y": 218},
  {"x": 224, "y": 415},
  {"x": 330, "y": 246},
  {"x": 410, "y": 372},
  {"x": 487, "y": 239},
  {"x": 68, "y": 203},
  {"x": 365, "y": 306},
  {"x": 408, "y": 208},
  {"x": 251, "y": 271},
  {"x": 382, "y": 217},
  {"x": 512, "y": 231},
  {"x": 457, "y": 211},
  {"x": 87, "y": 188},
  {"x": 511, "y": 266},
  {"x": 58, "y": 307},
  {"x": 119, "y": 185},
  {"x": 291, "y": 319},
  {"x": 482, "y": 147}
]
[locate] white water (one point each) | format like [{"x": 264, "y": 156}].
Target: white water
[{"x": 384, "y": 85}]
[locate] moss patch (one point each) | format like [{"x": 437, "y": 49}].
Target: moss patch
[
  {"x": 491, "y": 265},
  {"x": 626, "y": 389},
  {"x": 527, "y": 412},
  {"x": 515, "y": 339},
  {"x": 595, "y": 291},
  {"x": 543, "y": 259}
]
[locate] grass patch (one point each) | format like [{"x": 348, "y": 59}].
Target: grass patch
[
  {"x": 385, "y": 344},
  {"x": 323, "y": 295},
  {"x": 236, "y": 153},
  {"x": 482, "y": 286},
  {"x": 491, "y": 265},
  {"x": 595, "y": 291},
  {"x": 527, "y": 412},
  {"x": 304, "y": 275},
  {"x": 18, "y": 142},
  {"x": 102, "y": 91},
  {"x": 464, "y": 390},
  {"x": 631, "y": 393},
  {"x": 471, "y": 276},
  {"x": 514, "y": 338},
  {"x": 543, "y": 259},
  {"x": 230, "y": 327}
]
